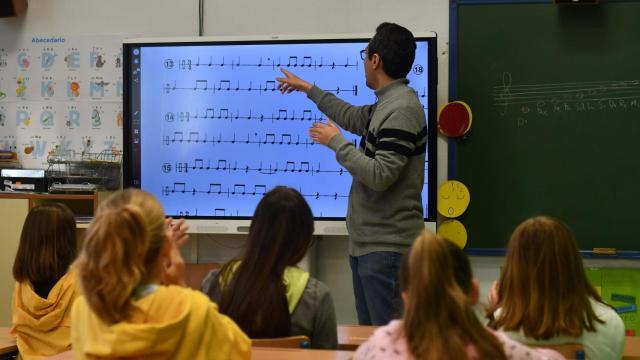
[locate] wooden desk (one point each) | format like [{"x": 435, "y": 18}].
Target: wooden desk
[
  {"x": 631, "y": 348},
  {"x": 351, "y": 336},
  {"x": 268, "y": 354},
  {"x": 7, "y": 342},
  {"x": 299, "y": 354}
]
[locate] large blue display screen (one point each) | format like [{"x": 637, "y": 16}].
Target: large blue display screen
[{"x": 209, "y": 134}]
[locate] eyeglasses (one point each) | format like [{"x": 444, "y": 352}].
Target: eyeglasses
[{"x": 363, "y": 54}]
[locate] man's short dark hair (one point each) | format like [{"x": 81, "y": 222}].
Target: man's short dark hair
[{"x": 396, "y": 47}]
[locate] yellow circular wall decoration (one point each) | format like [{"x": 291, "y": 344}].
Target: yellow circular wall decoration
[
  {"x": 453, "y": 199},
  {"x": 454, "y": 231}
]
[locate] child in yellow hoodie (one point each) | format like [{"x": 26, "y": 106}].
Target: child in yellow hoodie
[
  {"x": 45, "y": 290},
  {"x": 134, "y": 303}
]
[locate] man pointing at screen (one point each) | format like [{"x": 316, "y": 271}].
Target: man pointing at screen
[{"x": 385, "y": 212}]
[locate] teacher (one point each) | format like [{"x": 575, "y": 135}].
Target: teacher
[{"x": 385, "y": 212}]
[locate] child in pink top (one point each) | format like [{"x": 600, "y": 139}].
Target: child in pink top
[
  {"x": 439, "y": 321},
  {"x": 387, "y": 342}
]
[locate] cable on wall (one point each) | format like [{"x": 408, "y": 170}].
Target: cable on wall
[{"x": 200, "y": 17}]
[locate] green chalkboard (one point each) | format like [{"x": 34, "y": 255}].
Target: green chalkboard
[{"x": 555, "y": 95}]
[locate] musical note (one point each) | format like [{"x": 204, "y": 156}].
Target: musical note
[
  {"x": 256, "y": 189},
  {"x": 290, "y": 168},
  {"x": 215, "y": 188},
  {"x": 240, "y": 189},
  {"x": 259, "y": 62},
  {"x": 270, "y": 85},
  {"x": 287, "y": 137},
  {"x": 224, "y": 85},
  {"x": 204, "y": 83},
  {"x": 269, "y": 138},
  {"x": 178, "y": 187},
  {"x": 270, "y": 169},
  {"x": 224, "y": 113},
  {"x": 306, "y": 61}
]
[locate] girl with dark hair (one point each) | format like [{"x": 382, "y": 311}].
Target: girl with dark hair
[
  {"x": 45, "y": 288},
  {"x": 264, "y": 292},
  {"x": 134, "y": 303}
]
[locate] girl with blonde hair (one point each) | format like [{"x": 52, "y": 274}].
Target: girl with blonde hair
[
  {"x": 439, "y": 321},
  {"x": 134, "y": 303},
  {"x": 544, "y": 297}
]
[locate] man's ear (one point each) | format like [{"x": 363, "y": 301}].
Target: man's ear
[
  {"x": 474, "y": 294},
  {"x": 376, "y": 61}
]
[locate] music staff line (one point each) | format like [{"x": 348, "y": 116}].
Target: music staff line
[
  {"x": 236, "y": 190},
  {"x": 225, "y": 86},
  {"x": 223, "y": 165},
  {"x": 509, "y": 94},
  {"x": 227, "y": 114},
  {"x": 269, "y": 139},
  {"x": 292, "y": 62}
]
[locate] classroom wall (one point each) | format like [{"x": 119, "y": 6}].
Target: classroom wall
[
  {"x": 155, "y": 18},
  {"x": 151, "y": 18}
]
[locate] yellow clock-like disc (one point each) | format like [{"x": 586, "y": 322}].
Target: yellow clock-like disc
[
  {"x": 454, "y": 231},
  {"x": 453, "y": 199}
]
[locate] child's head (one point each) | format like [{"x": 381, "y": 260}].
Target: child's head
[
  {"x": 439, "y": 294},
  {"x": 280, "y": 234},
  {"x": 122, "y": 249},
  {"x": 543, "y": 288},
  {"x": 281, "y": 229},
  {"x": 48, "y": 244}
]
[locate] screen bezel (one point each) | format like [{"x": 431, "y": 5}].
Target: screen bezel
[{"x": 239, "y": 224}]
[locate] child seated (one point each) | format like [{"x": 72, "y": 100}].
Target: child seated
[
  {"x": 439, "y": 320},
  {"x": 544, "y": 296},
  {"x": 134, "y": 303},
  {"x": 45, "y": 288},
  {"x": 264, "y": 292}
]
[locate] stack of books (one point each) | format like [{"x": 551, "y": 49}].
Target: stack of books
[{"x": 9, "y": 160}]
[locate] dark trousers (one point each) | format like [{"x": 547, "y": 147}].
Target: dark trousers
[{"x": 376, "y": 287}]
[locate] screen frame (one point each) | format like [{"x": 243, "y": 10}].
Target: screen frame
[{"x": 240, "y": 224}]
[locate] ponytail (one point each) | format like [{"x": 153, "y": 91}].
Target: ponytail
[
  {"x": 439, "y": 319},
  {"x": 120, "y": 251}
]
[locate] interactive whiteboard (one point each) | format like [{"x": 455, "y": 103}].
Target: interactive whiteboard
[{"x": 207, "y": 132}]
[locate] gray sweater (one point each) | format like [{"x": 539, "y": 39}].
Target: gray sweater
[{"x": 385, "y": 210}]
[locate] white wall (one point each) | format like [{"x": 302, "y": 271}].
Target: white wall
[{"x": 151, "y": 18}]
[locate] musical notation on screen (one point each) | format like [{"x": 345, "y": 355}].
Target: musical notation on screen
[
  {"x": 230, "y": 115},
  {"x": 308, "y": 62},
  {"x": 237, "y": 190},
  {"x": 270, "y": 168},
  {"x": 227, "y": 86},
  {"x": 196, "y": 137}
]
